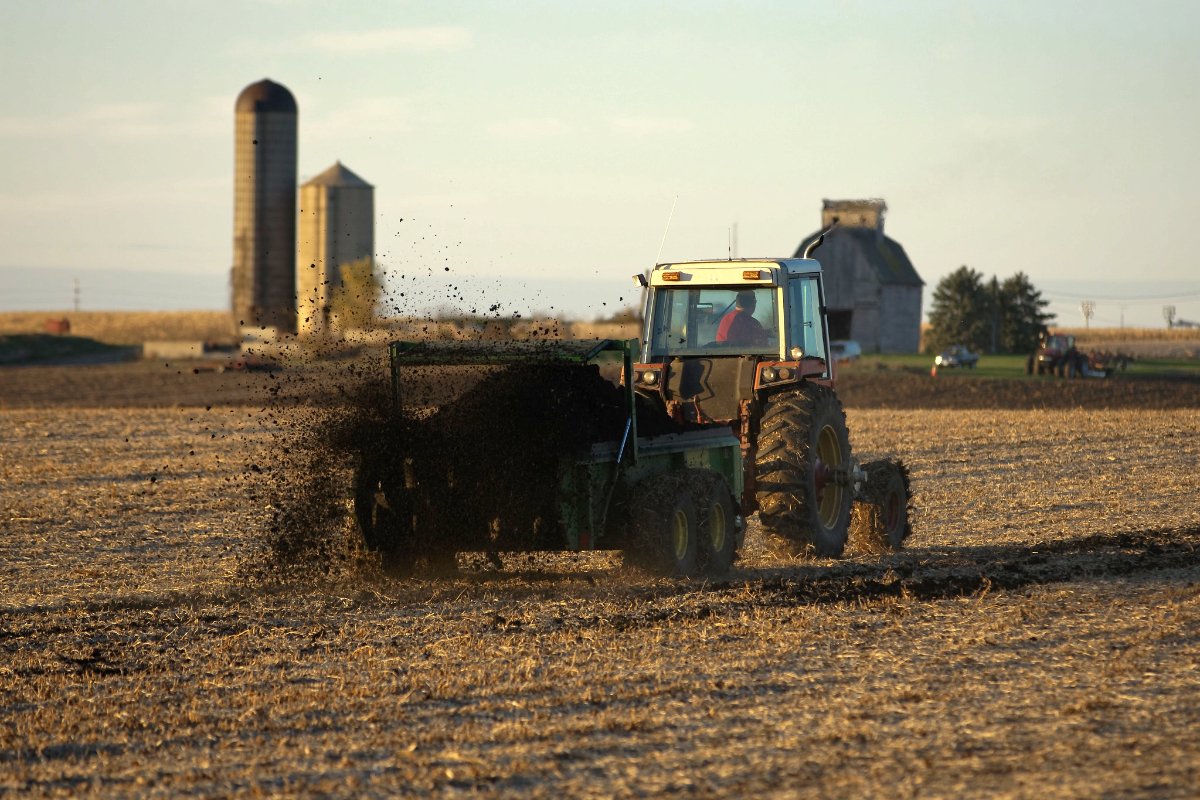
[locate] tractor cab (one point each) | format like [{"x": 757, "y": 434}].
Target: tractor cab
[
  {"x": 1058, "y": 344},
  {"x": 718, "y": 334}
]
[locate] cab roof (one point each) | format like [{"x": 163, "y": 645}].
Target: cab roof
[
  {"x": 768, "y": 271},
  {"x": 791, "y": 265}
]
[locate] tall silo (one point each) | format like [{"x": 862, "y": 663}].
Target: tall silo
[
  {"x": 264, "y": 207},
  {"x": 337, "y": 228}
]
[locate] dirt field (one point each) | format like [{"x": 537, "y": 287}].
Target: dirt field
[
  {"x": 150, "y": 384},
  {"x": 1039, "y": 638}
]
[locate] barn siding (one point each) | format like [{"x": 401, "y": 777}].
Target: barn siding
[
  {"x": 901, "y": 329},
  {"x": 869, "y": 276}
]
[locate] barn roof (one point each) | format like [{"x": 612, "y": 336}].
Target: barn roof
[{"x": 884, "y": 254}]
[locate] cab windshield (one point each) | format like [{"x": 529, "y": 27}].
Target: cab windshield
[{"x": 714, "y": 320}]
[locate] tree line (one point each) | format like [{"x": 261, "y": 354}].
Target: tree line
[{"x": 987, "y": 316}]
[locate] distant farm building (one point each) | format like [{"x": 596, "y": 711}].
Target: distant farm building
[
  {"x": 264, "y": 203},
  {"x": 337, "y": 229},
  {"x": 872, "y": 291}
]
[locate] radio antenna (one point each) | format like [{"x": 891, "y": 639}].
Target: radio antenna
[{"x": 664, "y": 238}]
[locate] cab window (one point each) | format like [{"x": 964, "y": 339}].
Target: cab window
[
  {"x": 714, "y": 320},
  {"x": 805, "y": 330}
]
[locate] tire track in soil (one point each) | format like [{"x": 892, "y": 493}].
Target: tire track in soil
[
  {"x": 918, "y": 576},
  {"x": 913, "y": 576},
  {"x": 910, "y": 575}
]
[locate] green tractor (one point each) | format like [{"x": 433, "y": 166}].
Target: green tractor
[
  {"x": 543, "y": 453},
  {"x": 743, "y": 343},
  {"x": 723, "y": 408}
]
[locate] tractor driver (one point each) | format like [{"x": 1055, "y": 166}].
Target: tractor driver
[{"x": 739, "y": 327}]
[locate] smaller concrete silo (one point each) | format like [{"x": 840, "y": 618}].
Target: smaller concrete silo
[{"x": 336, "y": 230}]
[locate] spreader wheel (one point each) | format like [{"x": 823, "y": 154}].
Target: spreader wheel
[
  {"x": 384, "y": 510},
  {"x": 663, "y": 531},
  {"x": 880, "y": 520},
  {"x": 715, "y": 520}
]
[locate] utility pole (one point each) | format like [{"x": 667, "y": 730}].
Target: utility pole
[
  {"x": 1089, "y": 309},
  {"x": 995, "y": 292},
  {"x": 77, "y": 294},
  {"x": 1169, "y": 316}
]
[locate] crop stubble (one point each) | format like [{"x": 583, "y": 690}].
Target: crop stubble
[{"x": 1038, "y": 637}]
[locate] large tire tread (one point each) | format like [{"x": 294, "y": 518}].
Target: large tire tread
[{"x": 787, "y": 497}]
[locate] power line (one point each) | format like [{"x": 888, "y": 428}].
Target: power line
[{"x": 1155, "y": 298}]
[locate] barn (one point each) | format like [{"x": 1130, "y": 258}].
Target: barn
[{"x": 872, "y": 291}]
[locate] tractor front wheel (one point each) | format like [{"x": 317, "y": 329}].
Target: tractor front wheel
[
  {"x": 803, "y": 471},
  {"x": 880, "y": 520}
]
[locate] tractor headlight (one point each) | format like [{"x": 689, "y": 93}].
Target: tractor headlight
[
  {"x": 769, "y": 374},
  {"x": 784, "y": 373},
  {"x": 650, "y": 377},
  {"x": 938, "y": 361},
  {"x": 797, "y": 354}
]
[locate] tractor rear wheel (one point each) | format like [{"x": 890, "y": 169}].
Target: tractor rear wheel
[
  {"x": 663, "y": 530},
  {"x": 715, "y": 521},
  {"x": 802, "y": 467},
  {"x": 880, "y": 521}
]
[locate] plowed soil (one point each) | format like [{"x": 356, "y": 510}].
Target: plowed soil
[
  {"x": 905, "y": 389},
  {"x": 163, "y": 384},
  {"x": 1039, "y": 637}
]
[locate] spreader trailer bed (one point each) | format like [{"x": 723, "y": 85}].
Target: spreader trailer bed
[{"x": 668, "y": 501}]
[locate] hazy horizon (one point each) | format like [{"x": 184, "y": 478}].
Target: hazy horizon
[
  {"x": 532, "y": 146},
  {"x": 51, "y": 289}
]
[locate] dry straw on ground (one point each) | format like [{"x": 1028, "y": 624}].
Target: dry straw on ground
[
  {"x": 127, "y": 327},
  {"x": 135, "y": 327},
  {"x": 1037, "y": 639}
]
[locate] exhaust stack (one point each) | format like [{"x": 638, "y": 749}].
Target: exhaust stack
[{"x": 818, "y": 241}]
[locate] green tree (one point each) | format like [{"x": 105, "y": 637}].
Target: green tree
[
  {"x": 356, "y": 294},
  {"x": 961, "y": 312},
  {"x": 992, "y": 317},
  {"x": 1024, "y": 315}
]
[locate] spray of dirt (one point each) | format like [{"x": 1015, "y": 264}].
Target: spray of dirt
[
  {"x": 481, "y": 471},
  {"x": 308, "y": 485},
  {"x": 493, "y": 457}
]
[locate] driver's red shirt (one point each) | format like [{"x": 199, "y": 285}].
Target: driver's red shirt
[{"x": 739, "y": 327}]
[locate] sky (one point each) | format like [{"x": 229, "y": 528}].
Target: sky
[{"x": 544, "y": 152}]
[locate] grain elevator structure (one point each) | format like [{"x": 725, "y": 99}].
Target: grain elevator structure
[
  {"x": 337, "y": 234},
  {"x": 263, "y": 280}
]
